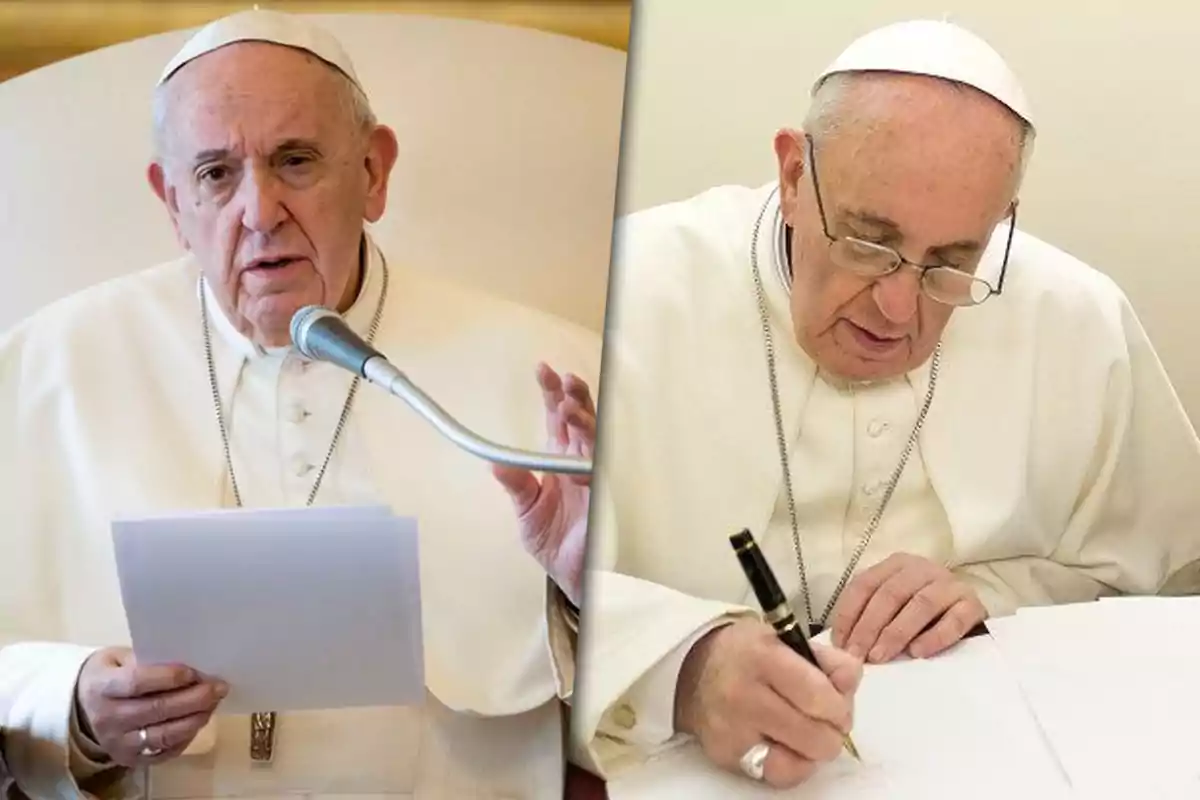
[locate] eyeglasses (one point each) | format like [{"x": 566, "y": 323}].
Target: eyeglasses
[{"x": 942, "y": 284}]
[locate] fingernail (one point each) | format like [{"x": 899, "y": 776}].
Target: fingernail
[
  {"x": 855, "y": 650},
  {"x": 877, "y": 654},
  {"x": 222, "y": 688}
]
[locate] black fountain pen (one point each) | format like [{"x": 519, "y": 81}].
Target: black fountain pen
[{"x": 775, "y": 606}]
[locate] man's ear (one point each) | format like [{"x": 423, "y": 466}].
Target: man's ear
[
  {"x": 157, "y": 177},
  {"x": 382, "y": 151},
  {"x": 789, "y": 153}
]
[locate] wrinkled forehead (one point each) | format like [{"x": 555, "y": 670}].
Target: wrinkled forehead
[
  {"x": 925, "y": 142},
  {"x": 250, "y": 95}
]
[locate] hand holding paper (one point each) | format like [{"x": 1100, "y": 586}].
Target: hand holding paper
[{"x": 118, "y": 698}]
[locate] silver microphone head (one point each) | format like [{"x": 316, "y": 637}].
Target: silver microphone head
[{"x": 302, "y": 322}]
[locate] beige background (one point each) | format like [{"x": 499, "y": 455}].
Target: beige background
[{"x": 1116, "y": 176}]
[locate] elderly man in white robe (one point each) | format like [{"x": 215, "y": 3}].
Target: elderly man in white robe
[
  {"x": 177, "y": 388},
  {"x": 924, "y": 415}
]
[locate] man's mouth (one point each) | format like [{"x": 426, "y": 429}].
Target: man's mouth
[
  {"x": 877, "y": 338},
  {"x": 878, "y": 344},
  {"x": 272, "y": 263}
]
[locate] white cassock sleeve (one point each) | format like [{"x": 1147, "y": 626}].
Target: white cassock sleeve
[
  {"x": 633, "y": 647},
  {"x": 562, "y": 627},
  {"x": 46, "y": 754},
  {"x": 1132, "y": 529},
  {"x": 635, "y": 633},
  {"x": 37, "y": 674}
]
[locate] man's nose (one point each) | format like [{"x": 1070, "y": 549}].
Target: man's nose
[
  {"x": 897, "y": 294},
  {"x": 262, "y": 206}
]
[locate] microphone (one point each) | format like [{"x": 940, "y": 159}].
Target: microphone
[{"x": 322, "y": 335}]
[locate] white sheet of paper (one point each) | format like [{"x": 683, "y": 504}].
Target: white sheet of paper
[
  {"x": 1115, "y": 684},
  {"x": 950, "y": 727},
  {"x": 296, "y": 609}
]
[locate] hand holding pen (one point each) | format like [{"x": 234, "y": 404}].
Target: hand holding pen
[
  {"x": 776, "y": 609},
  {"x": 740, "y": 687}
]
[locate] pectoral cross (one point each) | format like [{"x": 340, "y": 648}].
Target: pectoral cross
[{"x": 262, "y": 736}]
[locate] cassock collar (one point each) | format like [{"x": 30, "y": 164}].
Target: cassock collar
[
  {"x": 771, "y": 251},
  {"x": 358, "y": 317}
]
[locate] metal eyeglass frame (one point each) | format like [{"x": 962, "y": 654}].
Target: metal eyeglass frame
[{"x": 899, "y": 260}]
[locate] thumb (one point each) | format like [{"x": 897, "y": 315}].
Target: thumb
[
  {"x": 522, "y": 486},
  {"x": 844, "y": 670},
  {"x": 116, "y": 657}
]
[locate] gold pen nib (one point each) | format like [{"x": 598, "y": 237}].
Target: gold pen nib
[{"x": 850, "y": 748}]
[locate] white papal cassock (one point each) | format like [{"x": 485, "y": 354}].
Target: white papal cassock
[
  {"x": 107, "y": 411},
  {"x": 1056, "y": 463}
]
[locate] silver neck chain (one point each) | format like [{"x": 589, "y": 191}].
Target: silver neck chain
[
  {"x": 346, "y": 407},
  {"x": 781, "y": 437}
]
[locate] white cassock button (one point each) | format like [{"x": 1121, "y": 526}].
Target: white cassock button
[
  {"x": 296, "y": 413},
  {"x": 624, "y": 716},
  {"x": 301, "y": 467},
  {"x": 877, "y": 428}
]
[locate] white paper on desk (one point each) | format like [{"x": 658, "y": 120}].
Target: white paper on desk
[
  {"x": 949, "y": 727},
  {"x": 296, "y": 609},
  {"x": 1115, "y": 685}
]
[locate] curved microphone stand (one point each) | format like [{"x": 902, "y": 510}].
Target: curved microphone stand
[{"x": 323, "y": 335}]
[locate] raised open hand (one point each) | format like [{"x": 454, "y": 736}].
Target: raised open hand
[{"x": 553, "y": 511}]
